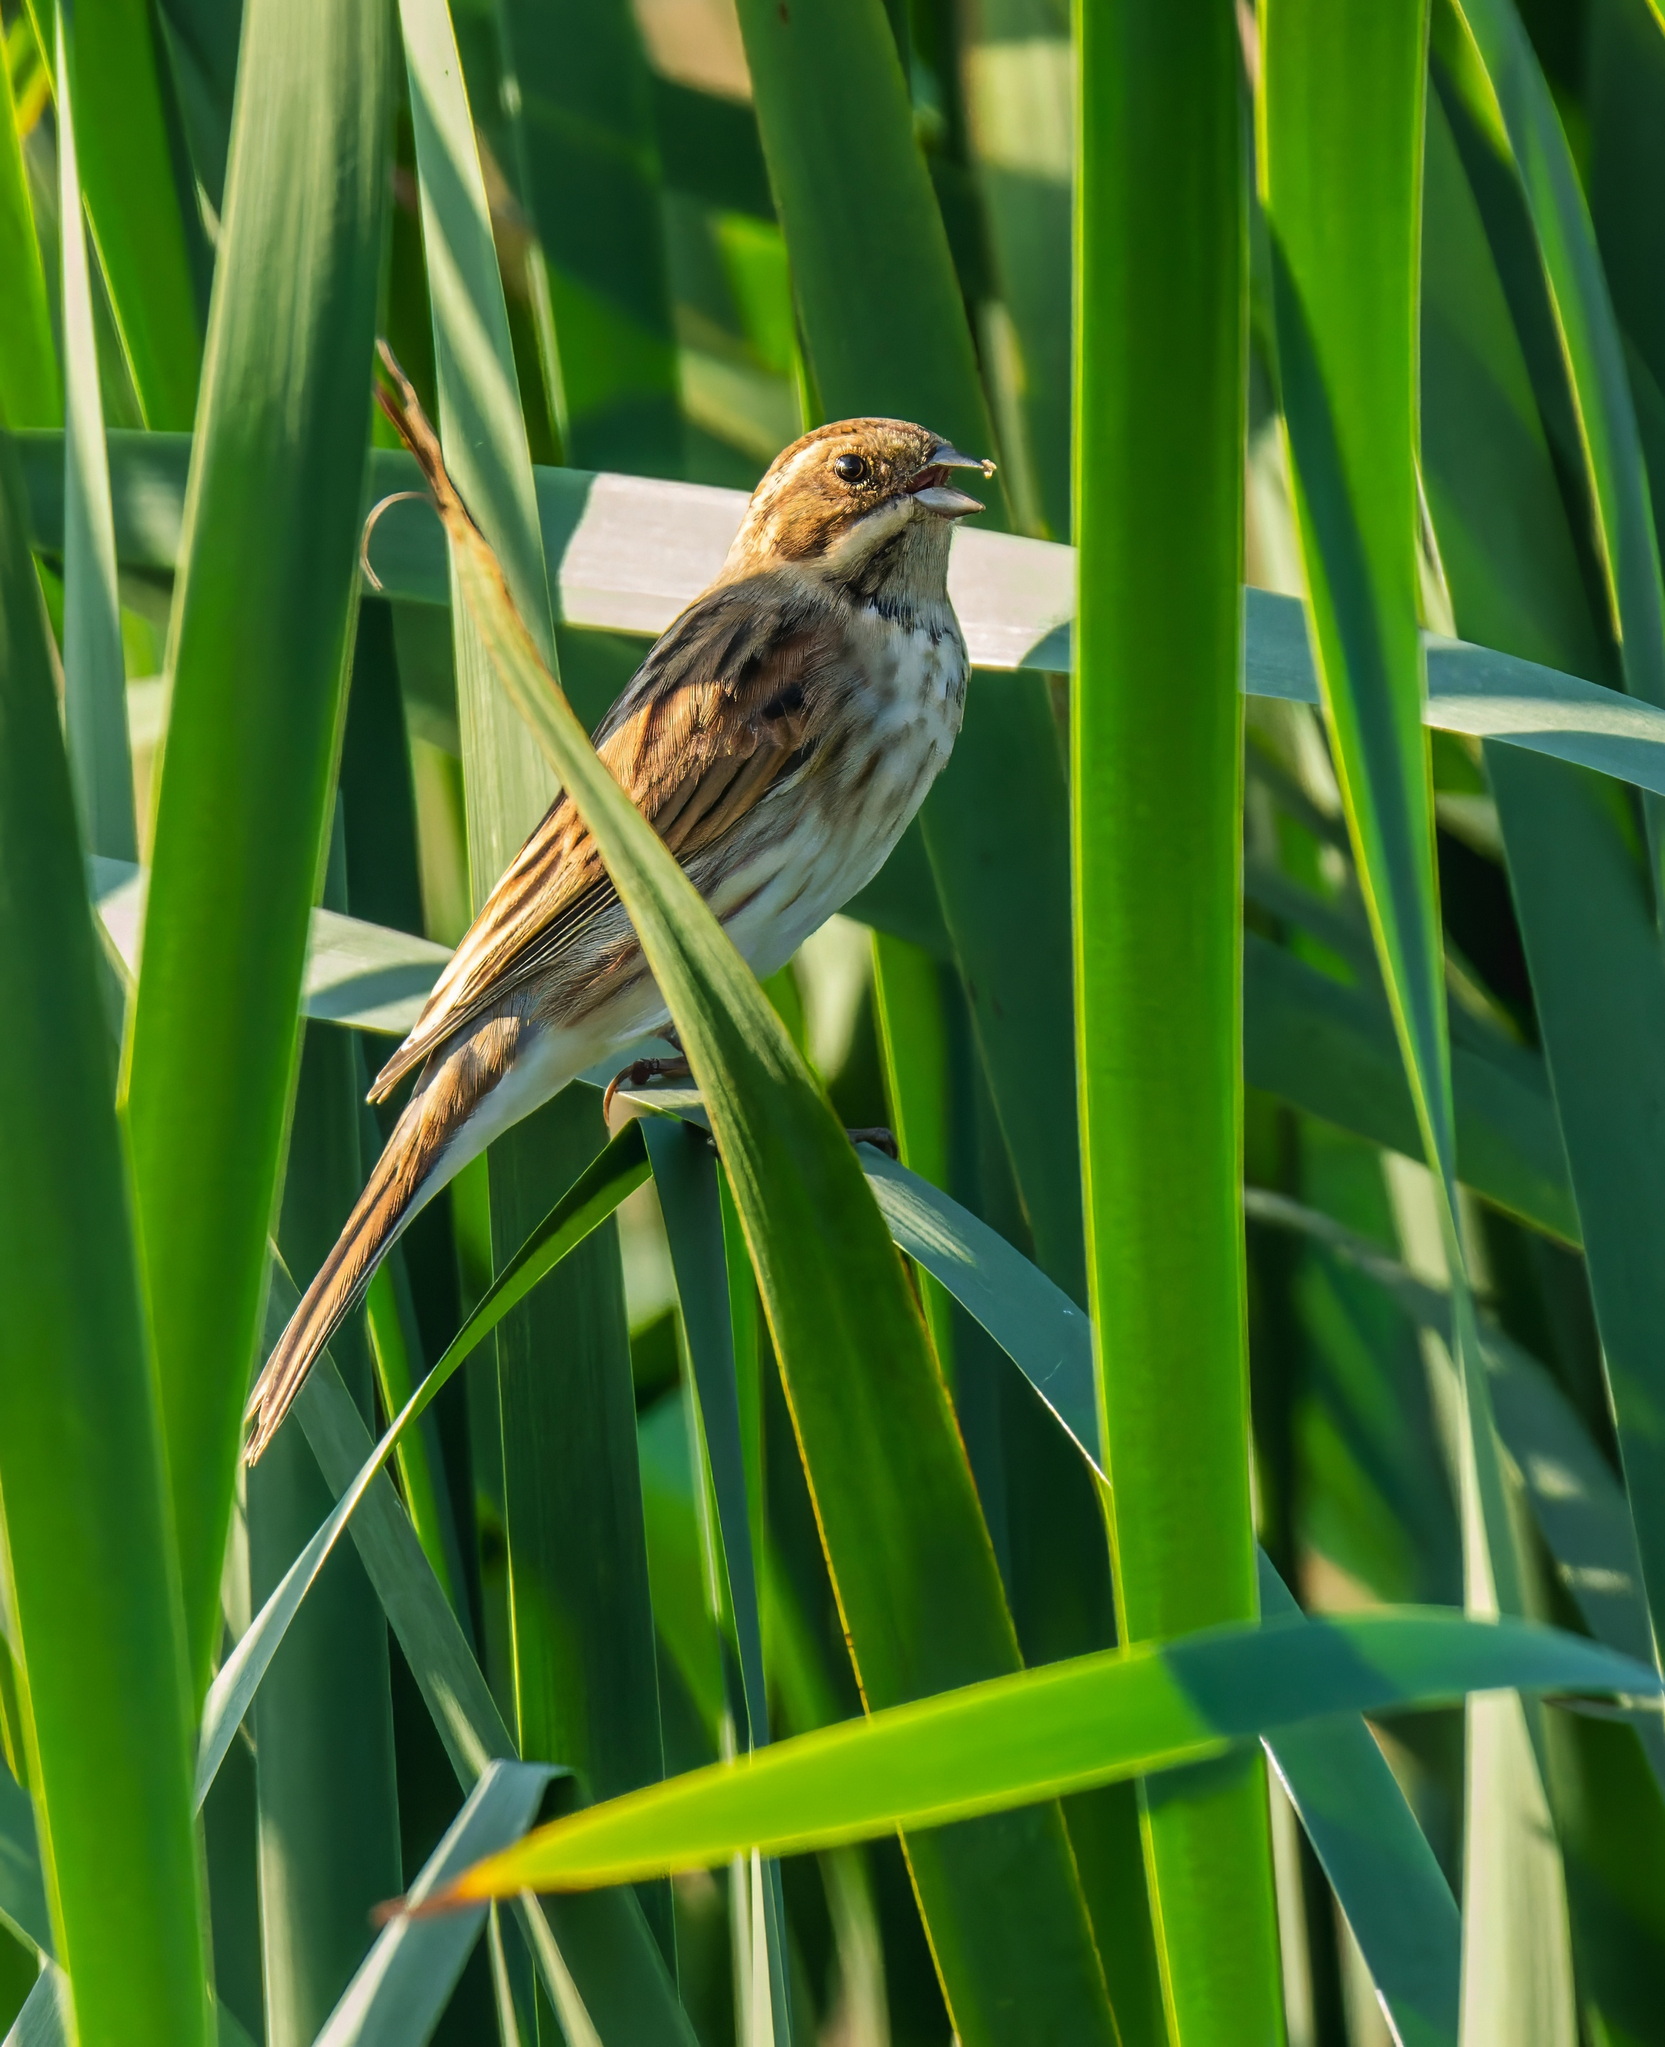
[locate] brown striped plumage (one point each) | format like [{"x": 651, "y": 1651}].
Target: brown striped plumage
[{"x": 779, "y": 736}]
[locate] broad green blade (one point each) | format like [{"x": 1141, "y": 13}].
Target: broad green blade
[
  {"x": 479, "y": 402},
  {"x": 1034, "y": 1322},
  {"x": 362, "y": 975},
  {"x": 1593, "y": 950},
  {"x": 628, "y": 553},
  {"x": 266, "y": 594},
  {"x": 397, "y": 1996},
  {"x": 1342, "y": 110},
  {"x": 45, "y": 2020},
  {"x": 583, "y": 124},
  {"x": 1397, "y": 1901},
  {"x": 681, "y": 1602},
  {"x": 202, "y": 39},
  {"x": 380, "y": 839},
  {"x": 323, "y": 1720},
  {"x": 29, "y": 390},
  {"x": 895, "y": 1497},
  {"x": 709, "y": 149},
  {"x": 1490, "y": 66},
  {"x": 1347, "y": 362},
  {"x": 1160, "y": 352},
  {"x": 92, "y": 1585},
  {"x": 1598, "y": 980},
  {"x": 1090, "y": 1720},
  {"x": 389, "y": 1319},
  {"x": 95, "y": 679},
  {"x": 148, "y": 245}
]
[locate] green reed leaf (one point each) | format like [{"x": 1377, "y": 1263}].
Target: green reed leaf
[
  {"x": 92, "y": 1579},
  {"x": 267, "y": 592}
]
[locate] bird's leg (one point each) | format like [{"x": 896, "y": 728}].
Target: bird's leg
[
  {"x": 639, "y": 1072},
  {"x": 881, "y": 1137}
]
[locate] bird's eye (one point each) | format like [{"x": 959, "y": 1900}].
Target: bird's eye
[{"x": 851, "y": 467}]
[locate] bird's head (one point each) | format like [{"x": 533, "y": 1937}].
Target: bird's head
[{"x": 858, "y": 503}]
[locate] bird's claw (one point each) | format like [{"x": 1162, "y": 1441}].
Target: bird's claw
[
  {"x": 638, "y": 1073},
  {"x": 880, "y": 1136}
]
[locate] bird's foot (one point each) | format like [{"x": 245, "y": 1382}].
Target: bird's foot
[
  {"x": 880, "y": 1137},
  {"x": 639, "y": 1072}
]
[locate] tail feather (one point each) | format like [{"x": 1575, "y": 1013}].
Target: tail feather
[
  {"x": 418, "y": 1159},
  {"x": 386, "y": 1204}
]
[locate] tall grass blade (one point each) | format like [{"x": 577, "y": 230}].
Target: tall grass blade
[
  {"x": 1346, "y": 98},
  {"x": 1160, "y": 368},
  {"x": 1598, "y": 981},
  {"x": 1596, "y": 978},
  {"x": 30, "y": 393},
  {"x": 91, "y": 1573},
  {"x": 95, "y": 678},
  {"x": 480, "y": 419},
  {"x": 589, "y": 171},
  {"x": 896, "y": 1503},
  {"x": 1123, "y": 1712},
  {"x": 630, "y": 552},
  {"x": 1512, "y": 100},
  {"x": 202, "y": 38},
  {"x": 266, "y": 593},
  {"x": 147, "y": 243}
]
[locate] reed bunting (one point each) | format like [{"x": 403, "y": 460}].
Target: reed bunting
[{"x": 780, "y": 736}]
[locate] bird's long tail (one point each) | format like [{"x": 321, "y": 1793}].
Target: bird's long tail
[{"x": 420, "y": 1156}]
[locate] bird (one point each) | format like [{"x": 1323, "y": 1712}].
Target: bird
[{"x": 780, "y": 736}]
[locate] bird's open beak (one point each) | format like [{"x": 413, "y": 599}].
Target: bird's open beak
[{"x": 933, "y": 490}]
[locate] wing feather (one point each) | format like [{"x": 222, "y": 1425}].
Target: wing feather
[{"x": 724, "y": 704}]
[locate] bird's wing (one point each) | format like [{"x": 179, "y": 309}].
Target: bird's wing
[{"x": 721, "y": 710}]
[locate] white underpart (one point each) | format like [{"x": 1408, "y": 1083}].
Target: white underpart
[
  {"x": 548, "y": 1058},
  {"x": 912, "y": 710}
]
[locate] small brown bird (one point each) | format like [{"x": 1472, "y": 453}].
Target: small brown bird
[{"x": 779, "y": 737}]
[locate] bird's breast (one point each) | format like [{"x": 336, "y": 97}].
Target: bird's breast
[
  {"x": 883, "y": 734},
  {"x": 897, "y": 716}
]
